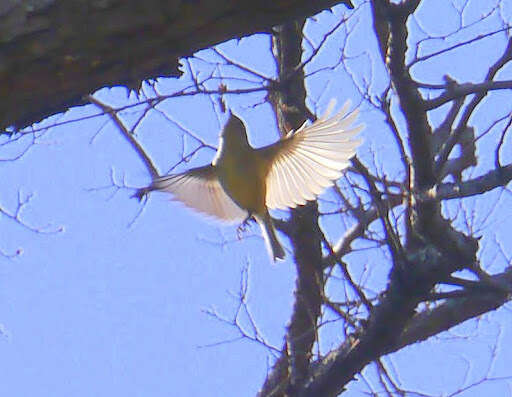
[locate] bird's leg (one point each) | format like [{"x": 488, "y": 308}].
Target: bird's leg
[{"x": 243, "y": 226}]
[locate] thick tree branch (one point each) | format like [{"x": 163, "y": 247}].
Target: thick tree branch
[
  {"x": 53, "y": 53},
  {"x": 482, "y": 184},
  {"x": 410, "y": 99},
  {"x": 292, "y": 368},
  {"x": 453, "y": 312},
  {"x": 421, "y": 327},
  {"x": 456, "y": 91}
]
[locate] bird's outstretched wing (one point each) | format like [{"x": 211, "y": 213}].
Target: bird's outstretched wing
[
  {"x": 200, "y": 189},
  {"x": 305, "y": 162}
]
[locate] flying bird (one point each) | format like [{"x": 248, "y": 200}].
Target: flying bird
[{"x": 243, "y": 182}]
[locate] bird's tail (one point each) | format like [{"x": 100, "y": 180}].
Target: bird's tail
[{"x": 274, "y": 247}]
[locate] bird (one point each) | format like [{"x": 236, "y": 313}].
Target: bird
[{"x": 243, "y": 183}]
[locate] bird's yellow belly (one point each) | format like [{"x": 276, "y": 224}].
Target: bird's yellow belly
[{"x": 244, "y": 182}]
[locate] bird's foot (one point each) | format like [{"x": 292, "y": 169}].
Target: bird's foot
[
  {"x": 243, "y": 226},
  {"x": 141, "y": 193}
]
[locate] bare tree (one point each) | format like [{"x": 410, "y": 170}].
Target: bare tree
[{"x": 413, "y": 220}]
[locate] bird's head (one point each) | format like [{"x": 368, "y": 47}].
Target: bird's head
[{"x": 234, "y": 131}]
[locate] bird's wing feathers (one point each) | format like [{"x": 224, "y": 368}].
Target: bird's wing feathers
[
  {"x": 310, "y": 159},
  {"x": 200, "y": 189}
]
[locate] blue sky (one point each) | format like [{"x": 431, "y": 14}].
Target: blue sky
[{"x": 107, "y": 299}]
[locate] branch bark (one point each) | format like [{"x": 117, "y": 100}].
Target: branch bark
[
  {"x": 292, "y": 368},
  {"x": 54, "y": 53}
]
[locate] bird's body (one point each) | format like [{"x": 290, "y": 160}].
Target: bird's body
[
  {"x": 238, "y": 164},
  {"x": 244, "y": 182}
]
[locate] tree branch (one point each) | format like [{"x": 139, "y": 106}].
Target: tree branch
[{"x": 56, "y": 52}]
